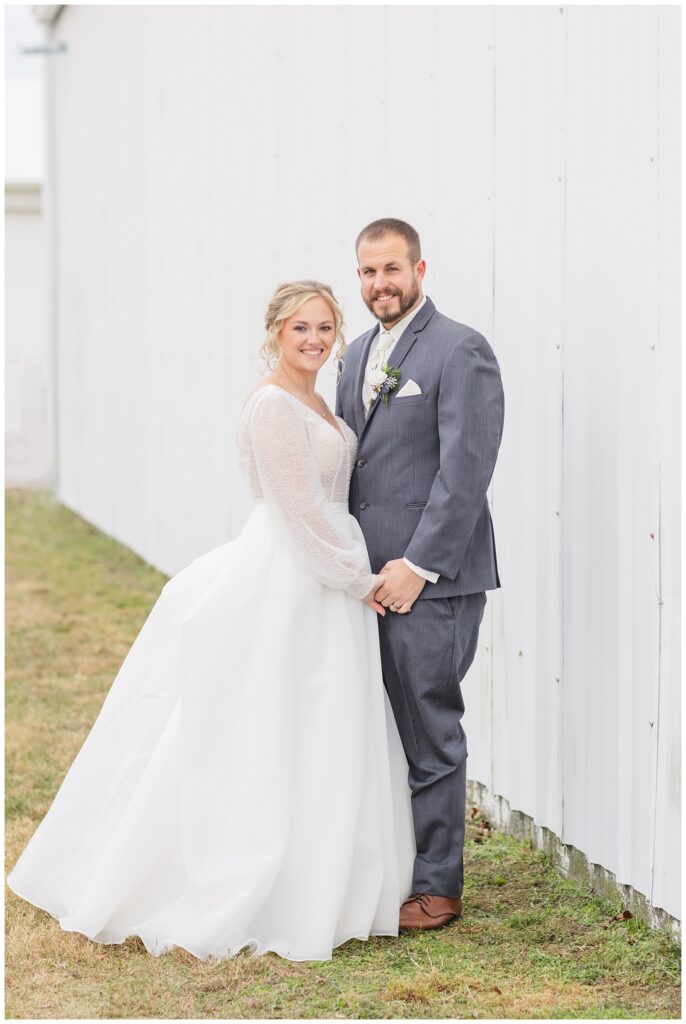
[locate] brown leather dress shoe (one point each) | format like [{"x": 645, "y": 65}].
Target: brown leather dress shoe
[{"x": 422, "y": 910}]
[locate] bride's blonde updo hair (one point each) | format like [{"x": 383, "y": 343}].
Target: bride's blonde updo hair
[{"x": 286, "y": 300}]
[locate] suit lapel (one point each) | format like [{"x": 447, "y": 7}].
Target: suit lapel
[{"x": 403, "y": 346}]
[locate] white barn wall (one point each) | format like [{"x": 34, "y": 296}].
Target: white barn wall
[
  {"x": 536, "y": 149},
  {"x": 611, "y": 484}
]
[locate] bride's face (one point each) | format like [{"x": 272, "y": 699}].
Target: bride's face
[{"x": 307, "y": 337}]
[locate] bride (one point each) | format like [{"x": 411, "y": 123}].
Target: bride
[{"x": 244, "y": 783}]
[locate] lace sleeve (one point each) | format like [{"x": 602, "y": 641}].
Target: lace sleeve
[{"x": 291, "y": 486}]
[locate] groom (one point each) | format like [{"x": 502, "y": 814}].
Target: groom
[{"x": 418, "y": 489}]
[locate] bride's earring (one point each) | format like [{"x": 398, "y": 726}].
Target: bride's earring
[{"x": 279, "y": 351}]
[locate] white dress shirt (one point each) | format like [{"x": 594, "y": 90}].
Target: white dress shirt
[
  {"x": 395, "y": 331},
  {"x": 367, "y": 394}
]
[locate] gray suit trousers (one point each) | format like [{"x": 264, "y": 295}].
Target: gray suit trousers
[{"x": 425, "y": 656}]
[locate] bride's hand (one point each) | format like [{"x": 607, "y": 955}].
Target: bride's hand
[{"x": 369, "y": 599}]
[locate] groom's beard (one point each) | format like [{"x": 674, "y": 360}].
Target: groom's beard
[{"x": 406, "y": 301}]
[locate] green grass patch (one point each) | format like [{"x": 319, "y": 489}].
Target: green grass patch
[{"x": 530, "y": 944}]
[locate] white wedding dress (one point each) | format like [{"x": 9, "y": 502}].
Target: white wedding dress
[{"x": 244, "y": 783}]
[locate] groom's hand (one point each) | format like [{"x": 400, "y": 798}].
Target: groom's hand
[{"x": 401, "y": 586}]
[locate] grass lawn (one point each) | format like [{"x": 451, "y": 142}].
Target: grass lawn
[{"x": 530, "y": 944}]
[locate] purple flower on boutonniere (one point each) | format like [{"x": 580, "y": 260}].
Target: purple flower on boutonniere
[{"x": 385, "y": 380}]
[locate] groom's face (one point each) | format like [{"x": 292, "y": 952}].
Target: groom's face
[{"x": 391, "y": 283}]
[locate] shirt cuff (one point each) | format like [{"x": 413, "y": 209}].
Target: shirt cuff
[{"x": 426, "y": 574}]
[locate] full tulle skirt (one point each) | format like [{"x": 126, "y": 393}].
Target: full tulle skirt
[{"x": 244, "y": 783}]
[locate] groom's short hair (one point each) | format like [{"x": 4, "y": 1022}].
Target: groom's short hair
[{"x": 387, "y": 226}]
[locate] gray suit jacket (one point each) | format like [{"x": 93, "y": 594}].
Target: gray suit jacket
[{"x": 425, "y": 461}]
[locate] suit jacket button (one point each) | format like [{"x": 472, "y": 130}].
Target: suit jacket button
[
  {"x": 363, "y": 504},
  {"x": 361, "y": 462}
]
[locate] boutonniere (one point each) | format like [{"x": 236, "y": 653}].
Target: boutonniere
[{"x": 384, "y": 380}]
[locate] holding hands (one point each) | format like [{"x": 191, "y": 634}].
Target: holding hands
[{"x": 399, "y": 589}]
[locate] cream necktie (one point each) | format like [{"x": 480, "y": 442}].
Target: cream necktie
[{"x": 377, "y": 360}]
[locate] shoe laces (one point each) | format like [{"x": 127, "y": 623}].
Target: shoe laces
[{"x": 422, "y": 898}]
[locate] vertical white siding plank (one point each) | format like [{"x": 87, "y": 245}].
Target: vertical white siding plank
[
  {"x": 666, "y": 881},
  {"x": 611, "y": 444},
  {"x": 362, "y": 154},
  {"x": 529, "y": 212}
]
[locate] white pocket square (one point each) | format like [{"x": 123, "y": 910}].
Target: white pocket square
[{"x": 410, "y": 388}]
